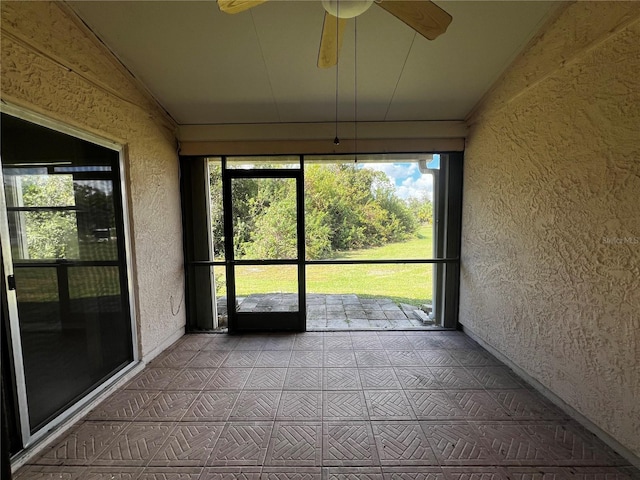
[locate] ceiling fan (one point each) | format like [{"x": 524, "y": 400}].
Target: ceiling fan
[{"x": 424, "y": 16}]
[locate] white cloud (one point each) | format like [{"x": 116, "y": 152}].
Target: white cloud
[
  {"x": 405, "y": 177},
  {"x": 416, "y": 187}
]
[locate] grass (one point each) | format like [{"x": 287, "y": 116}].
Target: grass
[{"x": 403, "y": 283}]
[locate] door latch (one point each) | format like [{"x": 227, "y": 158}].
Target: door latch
[{"x": 11, "y": 282}]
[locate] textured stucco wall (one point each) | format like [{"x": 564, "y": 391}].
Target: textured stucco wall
[
  {"x": 53, "y": 66},
  {"x": 551, "y": 226}
]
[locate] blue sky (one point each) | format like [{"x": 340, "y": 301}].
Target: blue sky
[{"x": 407, "y": 178}]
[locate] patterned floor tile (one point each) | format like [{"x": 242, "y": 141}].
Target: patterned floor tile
[
  {"x": 256, "y": 405},
  {"x": 241, "y": 358},
  {"x": 171, "y": 473},
  {"x": 305, "y": 407},
  {"x": 388, "y": 405},
  {"x": 300, "y": 406},
  {"x": 189, "y": 444},
  {"x": 544, "y": 473},
  {"x": 473, "y": 358},
  {"x": 254, "y": 343},
  {"x": 303, "y": 379},
  {"x": 394, "y": 342},
  {"x": 228, "y": 379},
  {"x": 433, "y": 405},
  {"x": 193, "y": 342},
  {"x": 222, "y": 342},
  {"x": 123, "y": 405},
  {"x": 36, "y": 472},
  {"x": 457, "y": 444},
  {"x": 266, "y": 379},
  {"x": 209, "y": 359},
  {"x": 308, "y": 342},
  {"x": 241, "y": 444},
  {"x": 295, "y": 444},
  {"x": 191, "y": 379},
  {"x": 353, "y": 473},
  {"x": 416, "y": 378},
  {"x": 458, "y": 342},
  {"x": 526, "y": 405},
  {"x": 366, "y": 342},
  {"x": 291, "y": 473},
  {"x": 152, "y": 379},
  {"x": 413, "y": 473},
  {"x": 168, "y": 406},
  {"x": 342, "y": 379},
  {"x": 231, "y": 473},
  {"x": 304, "y": 358},
  {"x": 82, "y": 444},
  {"x": 176, "y": 358},
  {"x": 424, "y": 342},
  {"x": 136, "y": 445},
  {"x": 282, "y": 342},
  {"x": 512, "y": 445},
  {"x": 274, "y": 358},
  {"x": 408, "y": 358},
  {"x": 455, "y": 378},
  {"x": 402, "y": 444},
  {"x": 572, "y": 445},
  {"x": 344, "y": 405},
  {"x": 478, "y": 404},
  {"x": 332, "y": 342},
  {"x": 211, "y": 406},
  {"x": 476, "y": 473},
  {"x": 349, "y": 443},
  {"x": 438, "y": 358},
  {"x": 378, "y": 378},
  {"x": 372, "y": 358},
  {"x": 339, "y": 358},
  {"x": 111, "y": 473},
  {"x": 495, "y": 377}
]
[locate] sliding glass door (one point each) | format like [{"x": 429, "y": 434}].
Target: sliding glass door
[{"x": 65, "y": 265}]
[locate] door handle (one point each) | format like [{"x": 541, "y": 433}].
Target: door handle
[{"x": 11, "y": 282}]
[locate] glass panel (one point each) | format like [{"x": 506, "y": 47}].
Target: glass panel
[
  {"x": 251, "y": 163},
  {"x": 378, "y": 208},
  {"x": 216, "y": 208},
  {"x": 74, "y": 318},
  {"x": 220, "y": 286},
  {"x": 267, "y": 288},
  {"x": 382, "y": 296},
  {"x": 264, "y": 218}
]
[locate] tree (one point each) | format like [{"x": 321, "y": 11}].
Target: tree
[
  {"x": 346, "y": 207},
  {"x": 50, "y": 234}
]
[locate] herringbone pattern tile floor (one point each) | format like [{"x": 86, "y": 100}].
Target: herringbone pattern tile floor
[{"x": 328, "y": 406}]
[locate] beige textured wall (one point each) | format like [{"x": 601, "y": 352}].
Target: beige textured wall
[
  {"x": 53, "y": 66},
  {"x": 551, "y": 226}
]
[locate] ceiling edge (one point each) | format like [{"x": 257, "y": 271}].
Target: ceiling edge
[{"x": 322, "y": 131}]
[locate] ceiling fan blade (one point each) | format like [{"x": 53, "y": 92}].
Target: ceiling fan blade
[
  {"x": 237, "y": 6},
  {"x": 331, "y": 41},
  {"x": 425, "y": 17}
]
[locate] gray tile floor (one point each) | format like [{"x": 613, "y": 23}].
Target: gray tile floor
[
  {"x": 328, "y": 405},
  {"x": 338, "y": 312}
]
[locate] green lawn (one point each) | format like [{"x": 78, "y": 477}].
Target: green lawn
[{"x": 406, "y": 283}]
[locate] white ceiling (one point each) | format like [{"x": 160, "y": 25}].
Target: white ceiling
[{"x": 259, "y": 66}]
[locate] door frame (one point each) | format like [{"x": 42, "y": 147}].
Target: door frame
[
  {"x": 29, "y": 438},
  {"x": 263, "y": 321}
]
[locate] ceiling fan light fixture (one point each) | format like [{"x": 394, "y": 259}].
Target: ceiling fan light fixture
[{"x": 346, "y": 8}]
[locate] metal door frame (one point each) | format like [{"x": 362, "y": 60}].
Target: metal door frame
[{"x": 263, "y": 321}]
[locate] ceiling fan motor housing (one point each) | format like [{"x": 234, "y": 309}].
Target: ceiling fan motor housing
[{"x": 346, "y": 8}]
